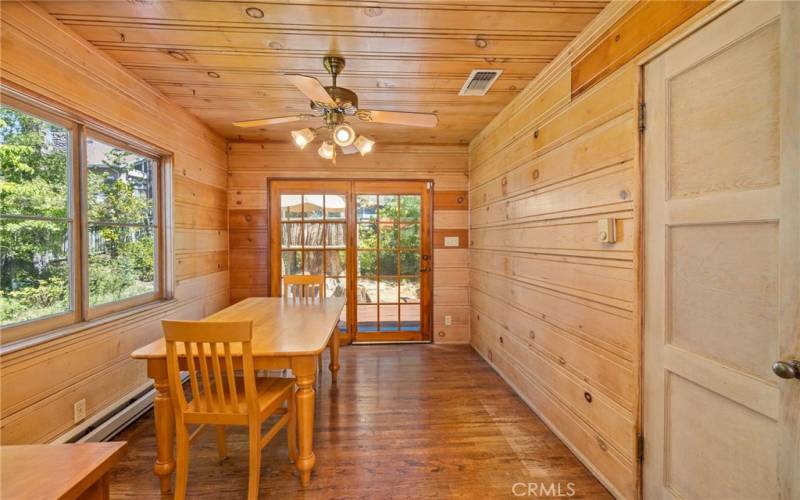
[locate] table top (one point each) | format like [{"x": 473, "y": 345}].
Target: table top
[
  {"x": 55, "y": 470},
  {"x": 280, "y": 327}
]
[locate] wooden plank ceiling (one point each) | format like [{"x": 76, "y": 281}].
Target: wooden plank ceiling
[{"x": 223, "y": 65}]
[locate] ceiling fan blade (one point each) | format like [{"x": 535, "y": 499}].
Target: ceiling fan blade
[
  {"x": 398, "y": 118},
  {"x": 272, "y": 121},
  {"x": 348, "y": 150},
  {"x": 311, "y": 88}
]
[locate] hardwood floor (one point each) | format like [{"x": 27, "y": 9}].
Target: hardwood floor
[{"x": 405, "y": 421}]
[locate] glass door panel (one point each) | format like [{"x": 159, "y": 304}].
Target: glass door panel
[{"x": 313, "y": 236}]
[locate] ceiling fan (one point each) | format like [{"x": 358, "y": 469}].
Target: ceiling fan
[{"x": 334, "y": 105}]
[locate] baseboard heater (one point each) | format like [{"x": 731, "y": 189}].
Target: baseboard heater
[{"x": 107, "y": 423}]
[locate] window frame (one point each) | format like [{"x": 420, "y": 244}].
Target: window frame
[{"x": 80, "y": 130}]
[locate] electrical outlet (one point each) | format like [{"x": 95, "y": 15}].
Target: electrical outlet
[
  {"x": 79, "y": 411},
  {"x": 448, "y": 320}
]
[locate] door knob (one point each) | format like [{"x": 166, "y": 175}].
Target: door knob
[{"x": 787, "y": 369}]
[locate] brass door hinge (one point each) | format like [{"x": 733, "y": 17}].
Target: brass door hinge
[{"x": 642, "y": 116}]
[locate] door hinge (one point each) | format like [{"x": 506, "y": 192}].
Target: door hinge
[
  {"x": 642, "y": 116},
  {"x": 639, "y": 447}
]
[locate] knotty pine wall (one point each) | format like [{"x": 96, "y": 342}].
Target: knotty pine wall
[
  {"x": 251, "y": 164},
  {"x": 556, "y": 312},
  {"x": 41, "y": 383}
]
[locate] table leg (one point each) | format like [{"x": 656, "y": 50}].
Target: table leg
[
  {"x": 304, "y": 369},
  {"x": 334, "y": 366},
  {"x": 165, "y": 424}
]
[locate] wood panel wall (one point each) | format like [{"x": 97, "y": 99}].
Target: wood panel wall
[
  {"x": 554, "y": 310},
  {"x": 251, "y": 164},
  {"x": 41, "y": 383}
]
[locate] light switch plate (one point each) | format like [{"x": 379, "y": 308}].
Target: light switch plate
[
  {"x": 448, "y": 320},
  {"x": 451, "y": 241}
]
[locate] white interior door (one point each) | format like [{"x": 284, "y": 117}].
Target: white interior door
[{"x": 722, "y": 252}]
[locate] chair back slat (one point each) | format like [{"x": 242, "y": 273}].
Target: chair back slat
[
  {"x": 230, "y": 375},
  {"x": 189, "y": 354},
  {"x": 304, "y": 287},
  {"x": 218, "y": 380},
  {"x": 202, "y": 360},
  {"x": 209, "y": 351}
]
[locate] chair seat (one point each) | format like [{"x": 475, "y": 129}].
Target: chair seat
[{"x": 272, "y": 391}]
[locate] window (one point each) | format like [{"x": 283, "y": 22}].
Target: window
[
  {"x": 37, "y": 220},
  {"x": 122, "y": 224},
  {"x": 80, "y": 227}
]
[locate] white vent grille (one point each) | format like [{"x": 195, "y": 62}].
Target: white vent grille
[{"x": 480, "y": 81}]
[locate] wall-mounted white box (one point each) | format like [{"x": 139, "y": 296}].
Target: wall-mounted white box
[
  {"x": 79, "y": 411},
  {"x": 451, "y": 241},
  {"x": 607, "y": 230}
]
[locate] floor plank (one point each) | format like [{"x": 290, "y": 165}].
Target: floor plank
[{"x": 419, "y": 421}]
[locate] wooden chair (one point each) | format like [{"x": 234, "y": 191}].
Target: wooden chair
[
  {"x": 305, "y": 287},
  {"x": 220, "y": 397}
]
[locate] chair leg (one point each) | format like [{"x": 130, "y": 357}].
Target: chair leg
[
  {"x": 255, "y": 461},
  {"x": 181, "y": 460},
  {"x": 291, "y": 428},
  {"x": 222, "y": 449},
  {"x": 319, "y": 365}
]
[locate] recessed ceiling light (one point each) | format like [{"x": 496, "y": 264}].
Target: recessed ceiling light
[
  {"x": 254, "y": 12},
  {"x": 213, "y": 74},
  {"x": 176, "y": 54}
]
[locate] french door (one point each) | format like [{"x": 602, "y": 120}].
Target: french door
[{"x": 372, "y": 242}]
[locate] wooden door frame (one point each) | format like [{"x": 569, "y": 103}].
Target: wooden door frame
[{"x": 347, "y": 187}]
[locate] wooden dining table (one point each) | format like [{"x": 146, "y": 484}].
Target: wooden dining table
[{"x": 286, "y": 334}]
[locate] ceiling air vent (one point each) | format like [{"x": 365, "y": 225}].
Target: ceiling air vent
[{"x": 480, "y": 81}]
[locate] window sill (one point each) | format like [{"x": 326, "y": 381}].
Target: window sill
[{"x": 163, "y": 305}]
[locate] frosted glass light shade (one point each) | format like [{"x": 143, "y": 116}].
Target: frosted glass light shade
[{"x": 363, "y": 145}]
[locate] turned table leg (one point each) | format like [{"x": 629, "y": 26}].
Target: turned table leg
[
  {"x": 334, "y": 366},
  {"x": 304, "y": 369},
  {"x": 164, "y": 422}
]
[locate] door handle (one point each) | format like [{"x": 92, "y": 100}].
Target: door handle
[{"x": 787, "y": 369}]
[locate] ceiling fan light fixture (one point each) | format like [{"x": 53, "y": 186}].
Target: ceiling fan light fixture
[
  {"x": 344, "y": 135},
  {"x": 327, "y": 150},
  {"x": 363, "y": 144},
  {"x": 303, "y": 137}
]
